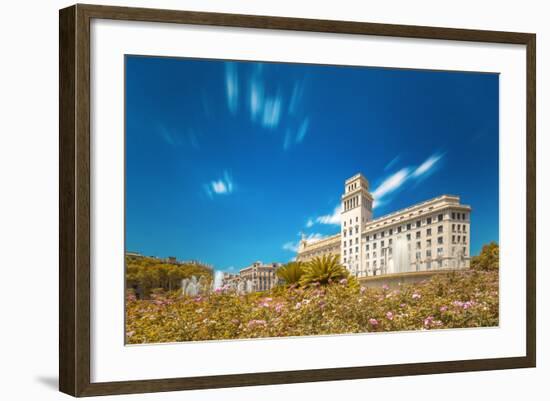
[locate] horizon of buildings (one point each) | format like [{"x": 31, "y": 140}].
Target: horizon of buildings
[{"x": 430, "y": 235}]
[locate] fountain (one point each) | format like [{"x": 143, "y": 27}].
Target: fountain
[
  {"x": 218, "y": 280},
  {"x": 400, "y": 262}
]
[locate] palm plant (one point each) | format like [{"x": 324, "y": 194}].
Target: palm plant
[
  {"x": 291, "y": 273},
  {"x": 323, "y": 270}
]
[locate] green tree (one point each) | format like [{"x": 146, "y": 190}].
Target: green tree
[
  {"x": 488, "y": 259},
  {"x": 323, "y": 270},
  {"x": 291, "y": 273}
]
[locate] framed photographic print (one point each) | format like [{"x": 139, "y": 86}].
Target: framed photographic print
[{"x": 250, "y": 200}]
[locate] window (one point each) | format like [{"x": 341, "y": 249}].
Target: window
[
  {"x": 453, "y": 239},
  {"x": 408, "y": 226},
  {"x": 453, "y": 228},
  {"x": 356, "y": 229},
  {"x": 453, "y": 215},
  {"x": 463, "y": 216},
  {"x": 429, "y": 243},
  {"x": 374, "y": 245},
  {"x": 429, "y": 253},
  {"x": 418, "y": 245},
  {"x": 418, "y": 256},
  {"x": 374, "y": 236},
  {"x": 464, "y": 251},
  {"x": 374, "y": 256},
  {"x": 344, "y": 223},
  {"x": 381, "y": 244},
  {"x": 464, "y": 239},
  {"x": 356, "y": 249},
  {"x": 429, "y": 220},
  {"x": 391, "y": 231},
  {"x": 350, "y": 231},
  {"x": 429, "y": 232},
  {"x": 344, "y": 253},
  {"x": 367, "y": 237},
  {"x": 439, "y": 251},
  {"x": 356, "y": 219},
  {"x": 345, "y": 233},
  {"x": 428, "y": 265},
  {"x": 439, "y": 217},
  {"x": 390, "y": 241},
  {"x": 344, "y": 243},
  {"x": 368, "y": 256},
  {"x": 418, "y": 223},
  {"x": 464, "y": 228},
  {"x": 418, "y": 234},
  {"x": 356, "y": 240},
  {"x": 345, "y": 260},
  {"x": 399, "y": 229},
  {"x": 440, "y": 240},
  {"x": 439, "y": 229},
  {"x": 408, "y": 237},
  {"x": 367, "y": 247}
]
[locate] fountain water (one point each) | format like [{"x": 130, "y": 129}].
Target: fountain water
[
  {"x": 218, "y": 280},
  {"x": 401, "y": 260}
]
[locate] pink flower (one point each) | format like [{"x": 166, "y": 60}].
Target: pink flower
[
  {"x": 385, "y": 287},
  {"x": 389, "y": 316},
  {"x": 362, "y": 290},
  {"x": 428, "y": 321},
  {"x": 443, "y": 309},
  {"x": 256, "y": 323},
  {"x": 130, "y": 333},
  {"x": 298, "y": 305},
  {"x": 403, "y": 305},
  {"x": 458, "y": 304},
  {"x": 279, "y": 308},
  {"x": 374, "y": 322},
  {"x": 218, "y": 290},
  {"x": 416, "y": 296},
  {"x": 344, "y": 281}
]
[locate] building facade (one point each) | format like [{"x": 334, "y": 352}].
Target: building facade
[
  {"x": 262, "y": 275},
  {"x": 431, "y": 235}
]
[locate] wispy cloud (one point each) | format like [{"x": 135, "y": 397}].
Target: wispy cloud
[
  {"x": 396, "y": 180},
  {"x": 169, "y": 136},
  {"x": 427, "y": 166},
  {"x": 292, "y": 246},
  {"x": 302, "y": 131},
  {"x": 296, "y": 97},
  {"x": 389, "y": 185},
  {"x": 222, "y": 186},
  {"x": 272, "y": 111},
  {"x": 392, "y": 162},
  {"x": 333, "y": 218},
  {"x": 232, "y": 86}
]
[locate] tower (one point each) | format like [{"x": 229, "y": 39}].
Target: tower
[{"x": 356, "y": 212}]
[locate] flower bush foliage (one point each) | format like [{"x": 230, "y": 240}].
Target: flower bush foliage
[{"x": 450, "y": 300}]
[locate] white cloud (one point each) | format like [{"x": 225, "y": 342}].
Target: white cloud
[
  {"x": 290, "y": 246},
  {"x": 296, "y": 97},
  {"x": 221, "y": 186},
  {"x": 302, "y": 131},
  {"x": 310, "y": 223},
  {"x": 310, "y": 238},
  {"x": 272, "y": 112},
  {"x": 391, "y": 183},
  {"x": 333, "y": 218},
  {"x": 427, "y": 166},
  {"x": 256, "y": 98},
  {"x": 232, "y": 87}
]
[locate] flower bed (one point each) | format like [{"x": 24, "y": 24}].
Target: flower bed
[{"x": 453, "y": 300}]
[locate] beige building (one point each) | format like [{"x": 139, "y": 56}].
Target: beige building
[
  {"x": 431, "y": 235},
  {"x": 262, "y": 275}
]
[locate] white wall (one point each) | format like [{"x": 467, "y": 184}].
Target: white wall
[{"x": 28, "y": 201}]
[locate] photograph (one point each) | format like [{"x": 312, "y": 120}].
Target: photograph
[{"x": 276, "y": 199}]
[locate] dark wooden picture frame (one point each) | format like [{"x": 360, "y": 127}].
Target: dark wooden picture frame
[{"x": 74, "y": 200}]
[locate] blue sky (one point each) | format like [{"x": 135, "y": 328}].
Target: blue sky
[{"x": 228, "y": 162}]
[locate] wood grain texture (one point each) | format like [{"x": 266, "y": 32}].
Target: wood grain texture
[{"x": 74, "y": 199}]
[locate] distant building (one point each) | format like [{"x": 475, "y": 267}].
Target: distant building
[
  {"x": 431, "y": 235},
  {"x": 262, "y": 275}
]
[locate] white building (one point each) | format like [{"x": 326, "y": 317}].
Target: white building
[{"x": 432, "y": 235}]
